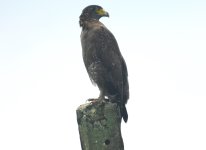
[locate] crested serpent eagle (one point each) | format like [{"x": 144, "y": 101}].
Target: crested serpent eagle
[{"x": 102, "y": 58}]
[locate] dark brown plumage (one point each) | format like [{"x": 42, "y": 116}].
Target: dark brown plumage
[{"x": 102, "y": 58}]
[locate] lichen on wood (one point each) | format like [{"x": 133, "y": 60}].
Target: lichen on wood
[{"x": 100, "y": 126}]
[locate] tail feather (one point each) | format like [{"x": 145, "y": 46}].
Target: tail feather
[{"x": 124, "y": 113}]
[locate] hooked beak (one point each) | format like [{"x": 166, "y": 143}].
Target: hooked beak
[{"x": 102, "y": 13}]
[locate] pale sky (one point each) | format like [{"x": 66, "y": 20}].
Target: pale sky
[{"x": 43, "y": 79}]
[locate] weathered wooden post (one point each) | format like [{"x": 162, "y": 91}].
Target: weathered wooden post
[{"x": 100, "y": 126}]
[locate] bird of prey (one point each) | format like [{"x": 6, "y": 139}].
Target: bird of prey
[{"x": 102, "y": 58}]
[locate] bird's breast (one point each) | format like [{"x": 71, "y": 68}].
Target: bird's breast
[{"x": 88, "y": 47}]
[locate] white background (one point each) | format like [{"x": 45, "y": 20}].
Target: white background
[{"x": 43, "y": 79}]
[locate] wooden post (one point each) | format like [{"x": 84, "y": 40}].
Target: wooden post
[{"x": 100, "y": 126}]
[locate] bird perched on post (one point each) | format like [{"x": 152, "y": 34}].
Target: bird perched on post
[{"x": 102, "y": 58}]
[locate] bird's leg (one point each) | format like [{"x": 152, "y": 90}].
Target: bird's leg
[{"x": 101, "y": 97}]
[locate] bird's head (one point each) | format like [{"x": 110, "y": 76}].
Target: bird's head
[{"x": 93, "y": 12}]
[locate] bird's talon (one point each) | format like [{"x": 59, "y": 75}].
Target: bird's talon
[{"x": 92, "y": 100}]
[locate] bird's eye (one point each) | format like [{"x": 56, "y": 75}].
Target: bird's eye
[{"x": 96, "y": 9}]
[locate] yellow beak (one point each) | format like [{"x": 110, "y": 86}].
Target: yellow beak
[{"x": 102, "y": 12}]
